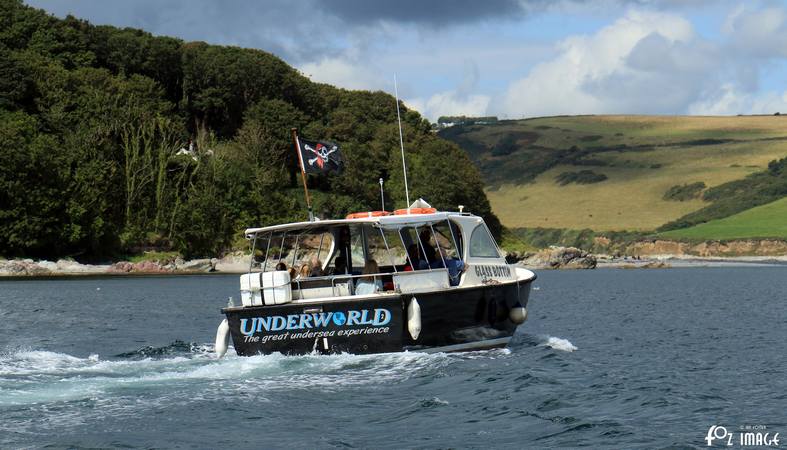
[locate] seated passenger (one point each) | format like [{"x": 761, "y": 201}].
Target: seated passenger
[
  {"x": 316, "y": 266},
  {"x": 427, "y": 248},
  {"x": 339, "y": 266},
  {"x": 305, "y": 271},
  {"x": 412, "y": 257},
  {"x": 455, "y": 266},
  {"x": 369, "y": 284},
  {"x": 281, "y": 266}
]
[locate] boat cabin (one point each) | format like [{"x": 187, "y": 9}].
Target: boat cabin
[{"x": 370, "y": 254}]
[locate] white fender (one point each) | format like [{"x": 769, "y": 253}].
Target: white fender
[
  {"x": 222, "y": 338},
  {"x": 518, "y": 315},
  {"x": 414, "y": 318}
]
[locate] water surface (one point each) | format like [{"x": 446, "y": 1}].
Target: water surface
[{"x": 607, "y": 359}]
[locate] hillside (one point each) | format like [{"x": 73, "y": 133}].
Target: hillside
[
  {"x": 620, "y": 172},
  {"x": 769, "y": 220},
  {"x": 92, "y": 119}
]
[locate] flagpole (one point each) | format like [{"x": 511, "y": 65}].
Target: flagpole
[
  {"x": 303, "y": 173},
  {"x": 401, "y": 143}
]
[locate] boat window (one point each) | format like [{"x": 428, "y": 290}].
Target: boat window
[
  {"x": 356, "y": 249},
  {"x": 376, "y": 246},
  {"x": 481, "y": 243},
  {"x": 398, "y": 253},
  {"x": 310, "y": 246}
]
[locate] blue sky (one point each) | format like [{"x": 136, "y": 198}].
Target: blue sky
[{"x": 510, "y": 58}]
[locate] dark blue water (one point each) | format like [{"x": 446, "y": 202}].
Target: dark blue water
[{"x": 608, "y": 359}]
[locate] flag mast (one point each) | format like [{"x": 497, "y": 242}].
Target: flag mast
[
  {"x": 401, "y": 144},
  {"x": 303, "y": 173}
]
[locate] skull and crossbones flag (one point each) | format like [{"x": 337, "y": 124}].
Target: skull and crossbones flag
[{"x": 320, "y": 157}]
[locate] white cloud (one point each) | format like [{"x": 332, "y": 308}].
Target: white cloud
[
  {"x": 758, "y": 33},
  {"x": 643, "y": 62},
  {"x": 343, "y": 72},
  {"x": 729, "y": 101},
  {"x": 450, "y": 103}
]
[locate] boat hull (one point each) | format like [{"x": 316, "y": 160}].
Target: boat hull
[{"x": 451, "y": 320}]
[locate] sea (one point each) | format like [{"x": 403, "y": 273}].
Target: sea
[{"x": 608, "y": 358}]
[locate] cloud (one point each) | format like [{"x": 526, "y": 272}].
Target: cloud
[
  {"x": 344, "y": 72},
  {"x": 435, "y": 12},
  {"x": 643, "y": 62},
  {"x": 758, "y": 33},
  {"x": 459, "y": 101},
  {"x": 729, "y": 100}
]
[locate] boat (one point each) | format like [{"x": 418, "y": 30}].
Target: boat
[{"x": 414, "y": 279}]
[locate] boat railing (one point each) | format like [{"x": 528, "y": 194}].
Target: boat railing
[{"x": 350, "y": 279}]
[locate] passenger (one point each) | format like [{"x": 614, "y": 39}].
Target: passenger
[
  {"x": 281, "y": 266},
  {"x": 339, "y": 266},
  {"x": 316, "y": 266},
  {"x": 429, "y": 251},
  {"x": 455, "y": 267},
  {"x": 293, "y": 273},
  {"x": 412, "y": 257},
  {"x": 369, "y": 284},
  {"x": 305, "y": 271}
]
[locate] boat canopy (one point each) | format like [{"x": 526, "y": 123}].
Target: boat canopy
[{"x": 392, "y": 222}]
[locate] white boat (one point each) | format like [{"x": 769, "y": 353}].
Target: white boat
[{"x": 413, "y": 280}]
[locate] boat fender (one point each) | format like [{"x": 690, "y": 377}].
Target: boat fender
[
  {"x": 414, "y": 319},
  {"x": 222, "y": 338},
  {"x": 518, "y": 314}
]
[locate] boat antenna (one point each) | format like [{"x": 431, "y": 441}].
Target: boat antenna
[
  {"x": 382, "y": 194},
  {"x": 401, "y": 143}
]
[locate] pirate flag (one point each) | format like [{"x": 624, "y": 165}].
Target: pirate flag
[{"x": 320, "y": 157}]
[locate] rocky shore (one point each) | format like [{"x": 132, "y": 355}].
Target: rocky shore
[
  {"x": 233, "y": 263},
  {"x": 550, "y": 258}
]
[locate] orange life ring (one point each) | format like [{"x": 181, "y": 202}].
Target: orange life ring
[
  {"x": 403, "y": 212},
  {"x": 367, "y": 214}
]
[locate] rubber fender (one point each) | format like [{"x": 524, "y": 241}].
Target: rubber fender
[
  {"x": 414, "y": 319},
  {"x": 222, "y": 338}
]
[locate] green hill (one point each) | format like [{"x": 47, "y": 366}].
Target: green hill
[
  {"x": 92, "y": 119},
  {"x": 769, "y": 220},
  {"x": 609, "y": 173}
]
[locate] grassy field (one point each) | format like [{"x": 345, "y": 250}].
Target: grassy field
[
  {"x": 768, "y": 220},
  {"x": 641, "y": 156}
]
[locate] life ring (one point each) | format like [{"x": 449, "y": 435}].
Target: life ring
[
  {"x": 403, "y": 212},
  {"x": 367, "y": 214}
]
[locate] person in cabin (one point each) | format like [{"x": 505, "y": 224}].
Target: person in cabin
[
  {"x": 339, "y": 266},
  {"x": 316, "y": 266},
  {"x": 305, "y": 271},
  {"x": 455, "y": 266},
  {"x": 413, "y": 258},
  {"x": 281, "y": 266},
  {"x": 429, "y": 251},
  {"x": 369, "y": 284},
  {"x": 293, "y": 273}
]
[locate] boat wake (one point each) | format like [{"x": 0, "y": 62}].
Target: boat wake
[
  {"x": 177, "y": 371},
  {"x": 558, "y": 344}
]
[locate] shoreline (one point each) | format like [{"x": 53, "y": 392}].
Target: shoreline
[
  {"x": 29, "y": 268},
  {"x": 236, "y": 264}
]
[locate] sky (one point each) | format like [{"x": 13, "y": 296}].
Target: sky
[{"x": 508, "y": 58}]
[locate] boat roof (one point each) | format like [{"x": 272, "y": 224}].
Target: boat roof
[{"x": 390, "y": 220}]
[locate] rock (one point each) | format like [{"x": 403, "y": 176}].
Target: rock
[
  {"x": 24, "y": 267},
  {"x": 121, "y": 267},
  {"x": 514, "y": 256},
  {"x": 237, "y": 262},
  {"x": 560, "y": 257},
  {"x": 198, "y": 265}
]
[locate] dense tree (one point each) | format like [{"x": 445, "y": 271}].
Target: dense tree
[{"x": 95, "y": 126}]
